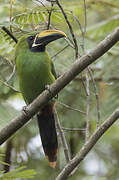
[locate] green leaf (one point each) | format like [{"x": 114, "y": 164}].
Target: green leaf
[
  {"x": 36, "y": 18},
  {"x": 4, "y": 163},
  {"x": 41, "y": 16},
  {"x": 30, "y": 17},
  {"x": 19, "y": 173}
]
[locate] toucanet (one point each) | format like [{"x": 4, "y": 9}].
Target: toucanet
[{"x": 35, "y": 71}]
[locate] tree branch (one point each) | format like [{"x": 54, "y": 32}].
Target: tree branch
[
  {"x": 88, "y": 146},
  {"x": 49, "y": 16},
  {"x": 97, "y": 98},
  {"x": 98, "y": 79},
  {"x": 58, "y": 85},
  {"x": 71, "y": 108},
  {"x": 11, "y": 87},
  {"x": 10, "y": 34},
  {"x": 63, "y": 139},
  {"x": 70, "y": 28},
  {"x": 87, "y": 135},
  {"x": 73, "y": 129}
]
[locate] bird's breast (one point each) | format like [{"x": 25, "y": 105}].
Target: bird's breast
[{"x": 34, "y": 71}]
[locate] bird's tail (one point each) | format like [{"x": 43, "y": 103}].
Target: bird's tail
[{"x": 46, "y": 123}]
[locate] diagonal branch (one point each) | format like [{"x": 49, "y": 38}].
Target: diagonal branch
[
  {"x": 11, "y": 87},
  {"x": 71, "y": 108},
  {"x": 10, "y": 34},
  {"x": 58, "y": 85},
  {"x": 88, "y": 146}
]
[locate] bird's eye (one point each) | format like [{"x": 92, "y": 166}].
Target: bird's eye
[{"x": 31, "y": 38}]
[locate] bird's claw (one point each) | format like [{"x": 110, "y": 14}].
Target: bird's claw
[
  {"x": 56, "y": 97},
  {"x": 24, "y": 110},
  {"x": 47, "y": 87}
]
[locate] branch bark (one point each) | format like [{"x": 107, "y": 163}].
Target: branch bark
[
  {"x": 62, "y": 137},
  {"x": 88, "y": 146},
  {"x": 58, "y": 85}
]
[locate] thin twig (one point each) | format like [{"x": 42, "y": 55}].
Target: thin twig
[
  {"x": 49, "y": 11},
  {"x": 71, "y": 108},
  {"x": 10, "y": 34},
  {"x": 86, "y": 88},
  {"x": 85, "y": 21},
  {"x": 97, "y": 98},
  {"x": 51, "y": 1},
  {"x": 62, "y": 136},
  {"x": 10, "y": 14},
  {"x": 12, "y": 74},
  {"x": 88, "y": 146},
  {"x": 83, "y": 32},
  {"x": 73, "y": 129},
  {"x": 83, "y": 83},
  {"x": 90, "y": 72},
  {"x": 78, "y": 22},
  {"x": 98, "y": 79},
  {"x": 40, "y": 3},
  {"x": 6, "y": 84},
  {"x": 87, "y": 78},
  {"x": 68, "y": 40},
  {"x": 85, "y": 26},
  {"x": 87, "y": 135},
  {"x": 70, "y": 28},
  {"x": 50, "y": 14},
  {"x": 60, "y": 51}
]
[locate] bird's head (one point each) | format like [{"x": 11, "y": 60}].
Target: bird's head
[{"x": 40, "y": 40}]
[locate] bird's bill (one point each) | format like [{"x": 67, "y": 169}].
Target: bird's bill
[{"x": 47, "y": 36}]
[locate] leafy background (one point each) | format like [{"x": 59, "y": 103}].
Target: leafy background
[{"x": 25, "y": 16}]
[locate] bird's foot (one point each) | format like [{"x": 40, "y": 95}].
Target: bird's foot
[
  {"x": 24, "y": 110},
  {"x": 56, "y": 97},
  {"x": 47, "y": 87}
]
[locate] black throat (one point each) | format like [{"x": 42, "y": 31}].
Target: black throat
[
  {"x": 40, "y": 48},
  {"x": 37, "y": 48}
]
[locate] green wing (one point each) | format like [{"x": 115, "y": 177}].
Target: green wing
[{"x": 53, "y": 70}]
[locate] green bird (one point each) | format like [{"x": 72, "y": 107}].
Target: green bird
[{"x": 35, "y": 71}]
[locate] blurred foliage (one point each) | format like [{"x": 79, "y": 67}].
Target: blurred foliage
[
  {"x": 25, "y": 16},
  {"x": 21, "y": 172},
  {"x": 18, "y": 173}
]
